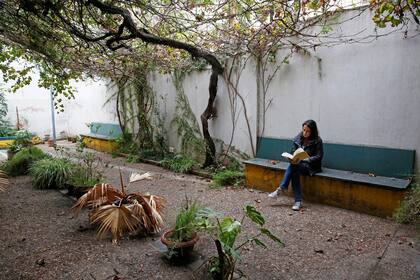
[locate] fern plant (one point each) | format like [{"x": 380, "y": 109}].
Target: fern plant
[
  {"x": 227, "y": 177},
  {"x": 50, "y": 173},
  {"x": 179, "y": 163}
]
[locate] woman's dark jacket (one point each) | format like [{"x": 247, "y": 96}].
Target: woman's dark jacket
[{"x": 315, "y": 150}]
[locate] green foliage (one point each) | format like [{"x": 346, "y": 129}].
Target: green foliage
[
  {"x": 126, "y": 144},
  {"x": 179, "y": 163},
  {"x": 52, "y": 76},
  {"x": 80, "y": 145},
  {"x": 192, "y": 143},
  {"x": 50, "y": 173},
  {"x": 152, "y": 154},
  {"x": 133, "y": 158},
  {"x": 227, "y": 177},
  {"x": 139, "y": 115},
  {"x": 21, "y": 162},
  {"x": 23, "y": 137},
  {"x": 409, "y": 210},
  {"x": 187, "y": 222},
  {"x": 5, "y": 126},
  {"x": 225, "y": 232},
  {"x": 81, "y": 176},
  {"x": 87, "y": 172},
  {"x": 395, "y": 13}
]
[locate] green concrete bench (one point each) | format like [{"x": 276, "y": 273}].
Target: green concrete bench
[
  {"x": 362, "y": 178},
  {"x": 106, "y": 131},
  {"x": 102, "y": 136}
]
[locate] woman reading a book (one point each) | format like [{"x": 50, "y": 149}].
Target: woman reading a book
[{"x": 307, "y": 163}]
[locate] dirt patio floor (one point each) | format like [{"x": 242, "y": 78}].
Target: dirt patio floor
[{"x": 41, "y": 238}]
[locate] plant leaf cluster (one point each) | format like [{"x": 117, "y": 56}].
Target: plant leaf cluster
[
  {"x": 50, "y": 173},
  {"x": 225, "y": 232},
  {"x": 22, "y": 161},
  {"x": 409, "y": 210},
  {"x": 179, "y": 163}
]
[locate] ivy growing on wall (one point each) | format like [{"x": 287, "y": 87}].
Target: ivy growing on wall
[
  {"x": 188, "y": 129},
  {"x": 138, "y": 114}
]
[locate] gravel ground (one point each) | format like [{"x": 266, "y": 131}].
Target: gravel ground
[{"x": 42, "y": 239}]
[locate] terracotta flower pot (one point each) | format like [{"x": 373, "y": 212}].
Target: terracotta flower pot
[
  {"x": 50, "y": 143},
  {"x": 183, "y": 249}
]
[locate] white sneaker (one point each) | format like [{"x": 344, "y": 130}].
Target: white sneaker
[
  {"x": 275, "y": 194},
  {"x": 296, "y": 206}
]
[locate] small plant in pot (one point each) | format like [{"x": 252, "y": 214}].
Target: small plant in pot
[
  {"x": 13, "y": 149},
  {"x": 88, "y": 172},
  {"x": 81, "y": 180},
  {"x": 183, "y": 235}
]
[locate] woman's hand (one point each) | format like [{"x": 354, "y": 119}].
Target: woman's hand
[{"x": 294, "y": 161}]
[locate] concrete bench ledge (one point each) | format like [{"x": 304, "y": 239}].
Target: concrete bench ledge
[
  {"x": 99, "y": 136},
  {"x": 102, "y": 137},
  {"x": 375, "y": 195},
  {"x": 349, "y": 176}
]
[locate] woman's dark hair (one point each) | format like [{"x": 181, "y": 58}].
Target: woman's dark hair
[{"x": 312, "y": 126}]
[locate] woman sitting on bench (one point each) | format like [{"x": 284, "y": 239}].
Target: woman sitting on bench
[{"x": 309, "y": 141}]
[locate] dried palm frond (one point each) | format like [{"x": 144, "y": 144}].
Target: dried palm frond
[
  {"x": 99, "y": 195},
  {"x": 4, "y": 181},
  {"x": 134, "y": 177},
  {"x": 116, "y": 219},
  {"x": 115, "y": 211},
  {"x": 153, "y": 208}
]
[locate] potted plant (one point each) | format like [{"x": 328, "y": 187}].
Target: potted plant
[
  {"x": 183, "y": 235},
  {"x": 23, "y": 139},
  {"x": 87, "y": 172},
  {"x": 13, "y": 149},
  {"x": 81, "y": 180}
]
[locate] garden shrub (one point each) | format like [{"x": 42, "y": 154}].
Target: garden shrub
[
  {"x": 409, "y": 210},
  {"x": 50, "y": 173},
  {"x": 227, "y": 177},
  {"x": 21, "y": 162},
  {"x": 179, "y": 163}
]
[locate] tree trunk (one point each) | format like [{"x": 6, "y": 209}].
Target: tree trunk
[{"x": 207, "y": 114}]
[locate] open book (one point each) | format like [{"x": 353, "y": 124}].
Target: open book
[{"x": 298, "y": 155}]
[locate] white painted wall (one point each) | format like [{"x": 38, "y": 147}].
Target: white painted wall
[
  {"x": 359, "y": 93},
  {"x": 34, "y": 107},
  {"x": 196, "y": 89},
  {"x": 366, "y": 94}
]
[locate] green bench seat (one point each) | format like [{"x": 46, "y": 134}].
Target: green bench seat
[
  {"x": 106, "y": 131},
  {"x": 102, "y": 137},
  {"x": 362, "y": 178}
]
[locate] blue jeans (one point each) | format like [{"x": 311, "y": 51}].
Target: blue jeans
[{"x": 293, "y": 173}]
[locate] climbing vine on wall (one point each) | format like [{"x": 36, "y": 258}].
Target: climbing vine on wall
[
  {"x": 188, "y": 129},
  {"x": 139, "y": 114}
]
